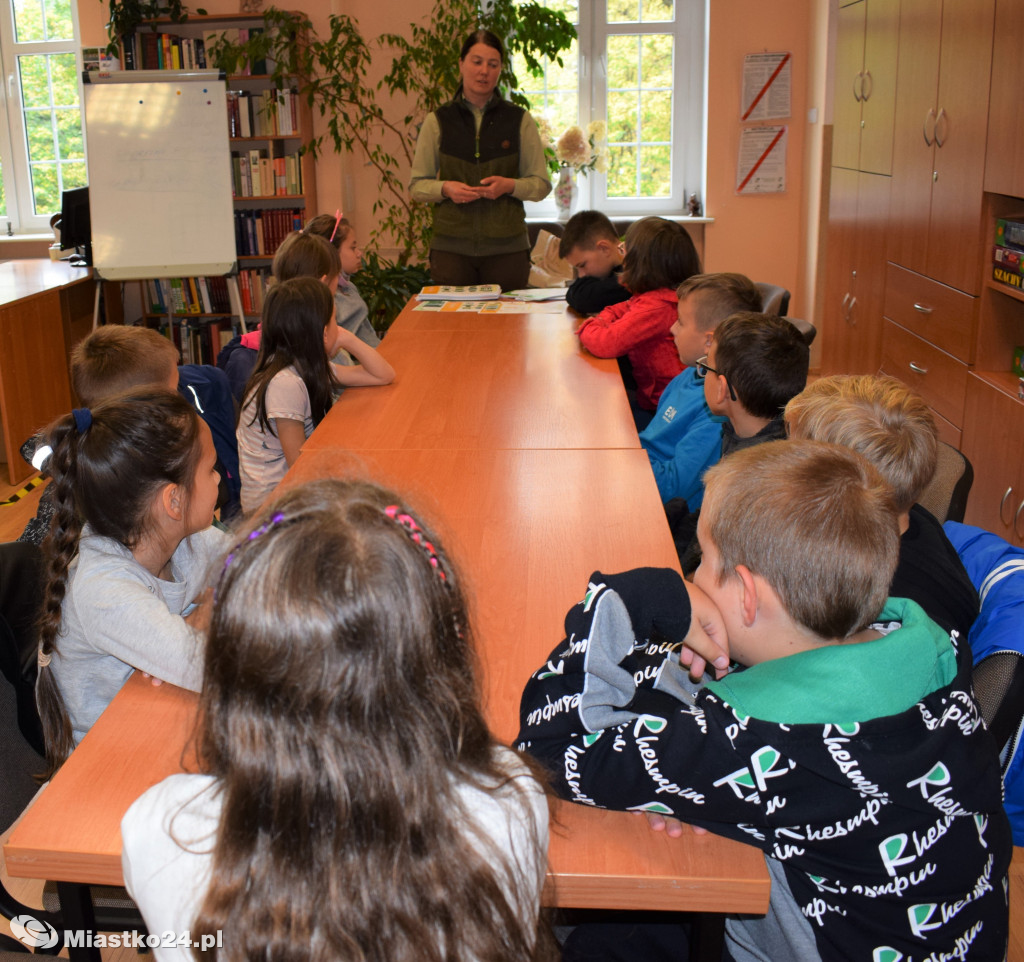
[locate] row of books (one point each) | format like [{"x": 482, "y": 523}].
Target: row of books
[
  {"x": 254, "y": 174},
  {"x": 263, "y": 113},
  {"x": 199, "y": 340},
  {"x": 1008, "y": 252},
  {"x": 258, "y": 233},
  {"x": 151, "y": 50},
  {"x": 189, "y": 295},
  {"x": 252, "y": 285}
]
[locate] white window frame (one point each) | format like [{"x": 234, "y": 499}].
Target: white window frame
[
  {"x": 689, "y": 107},
  {"x": 17, "y": 176}
]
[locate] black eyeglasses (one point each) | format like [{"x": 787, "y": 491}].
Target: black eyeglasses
[{"x": 702, "y": 367}]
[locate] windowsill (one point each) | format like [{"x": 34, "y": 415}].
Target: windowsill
[{"x": 680, "y": 218}]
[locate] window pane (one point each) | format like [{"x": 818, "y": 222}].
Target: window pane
[
  {"x": 656, "y": 171},
  {"x": 58, "y": 20},
  {"x": 641, "y": 11},
  {"x": 622, "y": 172},
  {"x": 29, "y": 21},
  {"x": 623, "y": 11},
  {"x": 554, "y": 96},
  {"x": 70, "y": 145},
  {"x": 64, "y": 77},
  {"x": 654, "y": 11},
  {"x": 3, "y": 195},
  {"x": 39, "y": 130},
  {"x": 73, "y": 175},
  {"x": 45, "y": 188},
  {"x": 640, "y": 111},
  {"x": 35, "y": 85}
]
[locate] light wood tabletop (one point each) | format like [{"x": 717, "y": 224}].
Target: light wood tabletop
[
  {"x": 521, "y": 452},
  {"x": 507, "y": 387}
]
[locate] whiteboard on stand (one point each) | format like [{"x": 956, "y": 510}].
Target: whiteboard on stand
[{"x": 159, "y": 164}]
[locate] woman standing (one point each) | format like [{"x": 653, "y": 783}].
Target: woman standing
[{"x": 478, "y": 158}]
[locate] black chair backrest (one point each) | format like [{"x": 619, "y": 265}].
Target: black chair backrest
[
  {"x": 998, "y": 682},
  {"x": 774, "y": 299},
  {"x": 945, "y": 496}
]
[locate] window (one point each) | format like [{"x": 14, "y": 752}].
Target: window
[
  {"x": 42, "y": 152},
  {"x": 639, "y": 66}
]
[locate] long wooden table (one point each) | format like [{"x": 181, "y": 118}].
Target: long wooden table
[{"x": 527, "y": 524}]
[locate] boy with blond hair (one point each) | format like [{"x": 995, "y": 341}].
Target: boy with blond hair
[
  {"x": 874, "y": 794},
  {"x": 116, "y": 358},
  {"x": 894, "y": 428}
]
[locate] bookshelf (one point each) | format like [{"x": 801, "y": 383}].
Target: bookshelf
[{"x": 274, "y": 182}]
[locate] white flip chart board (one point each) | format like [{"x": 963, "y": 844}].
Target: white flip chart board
[{"x": 159, "y": 166}]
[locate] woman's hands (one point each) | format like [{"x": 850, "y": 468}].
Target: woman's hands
[{"x": 491, "y": 188}]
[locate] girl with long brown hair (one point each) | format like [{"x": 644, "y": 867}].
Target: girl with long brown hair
[
  {"x": 135, "y": 487},
  {"x": 354, "y": 803}
]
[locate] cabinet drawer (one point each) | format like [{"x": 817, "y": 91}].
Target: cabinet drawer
[
  {"x": 939, "y": 314},
  {"x": 940, "y": 379}
]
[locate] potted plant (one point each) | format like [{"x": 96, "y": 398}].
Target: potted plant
[{"x": 126, "y": 16}]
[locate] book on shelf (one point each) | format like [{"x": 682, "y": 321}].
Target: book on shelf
[
  {"x": 462, "y": 292},
  {"x": 1008, "y": 258},
  {"x": 1010, "y": 232},
  {"x": 1009, "y": 278}
]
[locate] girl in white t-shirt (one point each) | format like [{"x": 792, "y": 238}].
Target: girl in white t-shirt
[
  {"x": 352, "y": 803},
  {"x": 293, "y": 384}
]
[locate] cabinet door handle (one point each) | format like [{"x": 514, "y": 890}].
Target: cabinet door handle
[
  {"x": 1016, "y": 518},
  {"x": 922, "y": 308},
  {"x": 917, "y": 369},
  {"x": 943, "y": 121},
  {"x": 865, "y": 91},
  {"x": 844, "y": 306},
  {"x": 928, "y": 116},
  {"x": 849, "y": 313},
  {"x": 858, "y": 87},
  {"x": 1002, "y": 505}
]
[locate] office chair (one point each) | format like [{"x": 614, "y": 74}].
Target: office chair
[
  {"x": 945, "y": 496},
  {"x": 806, "y": 328},
  {"x": 774, "y": 299}
]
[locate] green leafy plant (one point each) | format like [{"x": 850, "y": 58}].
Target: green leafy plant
[
  {"x": 386, "y": 287},
  {"x": 373, "y": 119}
]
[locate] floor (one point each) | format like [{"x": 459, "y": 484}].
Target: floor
[{"x": 14, "y": 517}]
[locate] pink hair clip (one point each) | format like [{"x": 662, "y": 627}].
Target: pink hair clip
[{"x": 337, "y": 221}]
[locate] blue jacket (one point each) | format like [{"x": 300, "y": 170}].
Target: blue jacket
[
  {"x": 683, "y": 440},
  {"x": 996, "y": 569}
]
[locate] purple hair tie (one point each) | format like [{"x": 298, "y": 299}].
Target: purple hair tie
[
  {"x": 83, "y": 419},
  {"x": 252, "y": 536}
]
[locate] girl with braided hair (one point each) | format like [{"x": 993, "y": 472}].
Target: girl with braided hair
[
  {"x": 126, "y": 558},
  {"x": 353, "y": 803}
]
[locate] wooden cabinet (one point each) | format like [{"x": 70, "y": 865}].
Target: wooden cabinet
[
  {"x": 942, "y": 88},
  {"x": 1004, "y": 156},
  {"x": 993, "y": 442},
  {"x": 865, "y": 85},
  {"x": 855, "y": 273}
]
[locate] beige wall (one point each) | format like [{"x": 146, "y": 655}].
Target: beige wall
[{"x": 770, "y": 237}]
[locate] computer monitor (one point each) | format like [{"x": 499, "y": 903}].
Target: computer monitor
[{"x": 75, "y": 226}]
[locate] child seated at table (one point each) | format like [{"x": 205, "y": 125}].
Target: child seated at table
[
  {"x": 301, "y": 254},
  {"x": 350, "y": 310},
  {"x": 849, "y": 748},
  {"x": 135, "y": 486},
  {"x": 894, "y": 429},
  {"x": 119, "y": 357},
  {"x": 591, "y": 246},
  {"x": 659, "y": 257},
  {"x": 683, "y": 422},
  {"x": 353, "y": 803},
  {"x": 293, "y": 384}
]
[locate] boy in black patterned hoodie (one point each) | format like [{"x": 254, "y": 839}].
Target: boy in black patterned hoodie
[{"x": 849, "y": 748}]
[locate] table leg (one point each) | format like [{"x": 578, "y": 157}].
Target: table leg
[
  {"x": 708, "y": 938},
  {"x": 76, "y": 910}
]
